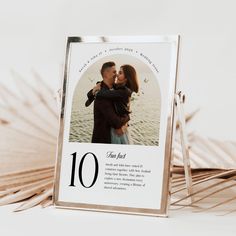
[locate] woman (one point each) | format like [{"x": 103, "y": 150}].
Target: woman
[{"x": 126, "y": 83}]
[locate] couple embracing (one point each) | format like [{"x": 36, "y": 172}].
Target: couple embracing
[{"x": 111, "y": 99}]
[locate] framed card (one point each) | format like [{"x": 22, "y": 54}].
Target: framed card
[{"x": 116, "y": 124}]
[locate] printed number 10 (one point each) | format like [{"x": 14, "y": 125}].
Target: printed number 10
[{"x": 72, "y": 181}]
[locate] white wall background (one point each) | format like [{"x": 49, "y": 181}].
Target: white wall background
[{"x": 33, "y": 35}]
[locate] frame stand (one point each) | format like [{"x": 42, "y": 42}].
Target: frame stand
[{"x": 179, "y": 101}]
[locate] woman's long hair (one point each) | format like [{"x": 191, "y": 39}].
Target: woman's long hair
[{"x": 131, "y": 76}]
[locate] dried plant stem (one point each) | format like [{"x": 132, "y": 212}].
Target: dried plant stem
[
  {"x": 227, "y": 213},
  {"x": 47, "y": 202},
  {"x": 37, "y": 199},
  {"x": 18, "y": 173},
  {"x": 5, "y": 93},
  {"x": 28, "y": 105},
  {"x": 20, "y": 187},
  {"x": 217, "y": 191},
  {"x": 29, "y": 122},
  {"x": 38, "y": 79},
  {"x": 178, "y": 154},
  {"x": 37, "y": 93},
  {"x": 181, "y": 206},
  {"x": 194, "y": 176},
  {"x": 194, "y": 180},
  {"x": 43, "y": 140},
  {"x": 22, "y": 178},
  {"x": 3, "y": 122},
  {"x": 219, "y": 204},
  {"x": 188, "y": 117},
  {"x": 211, "y": 147},
  {"x": 15, "y": 182},
  {"x": 209, "y": 178},
  {"x": 23, "y": 194},
  {"x": 207, "y": 188},
  {"x": 227, "y": 148}
]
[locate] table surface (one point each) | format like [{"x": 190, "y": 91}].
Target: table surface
[{"x": 39, "y": 221}]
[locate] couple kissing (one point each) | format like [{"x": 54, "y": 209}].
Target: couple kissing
[{"x": 112, "y": 98}]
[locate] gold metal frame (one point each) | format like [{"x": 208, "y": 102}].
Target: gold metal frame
[{"x": 163, "y": 211}]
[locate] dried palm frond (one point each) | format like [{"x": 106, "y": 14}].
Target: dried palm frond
[
  {"x": 29, "y": 126},
  {"x": 212, "y": 189},
  {"x": 213, "y": 170}
]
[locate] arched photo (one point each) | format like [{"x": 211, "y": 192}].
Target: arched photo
[{"x": 123, "y": 107}]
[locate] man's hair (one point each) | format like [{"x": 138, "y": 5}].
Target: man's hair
[{"x": 107, "y": 65}]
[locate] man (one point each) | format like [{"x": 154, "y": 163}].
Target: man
[{"x": 104, "y": 112}]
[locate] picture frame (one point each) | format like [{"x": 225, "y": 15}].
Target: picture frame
[{"x": 117, "y": 124}]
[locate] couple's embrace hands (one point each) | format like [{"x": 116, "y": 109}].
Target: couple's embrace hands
[
  {"x": 119, "y": 131},
  {"x": 96, "y": 88}
]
